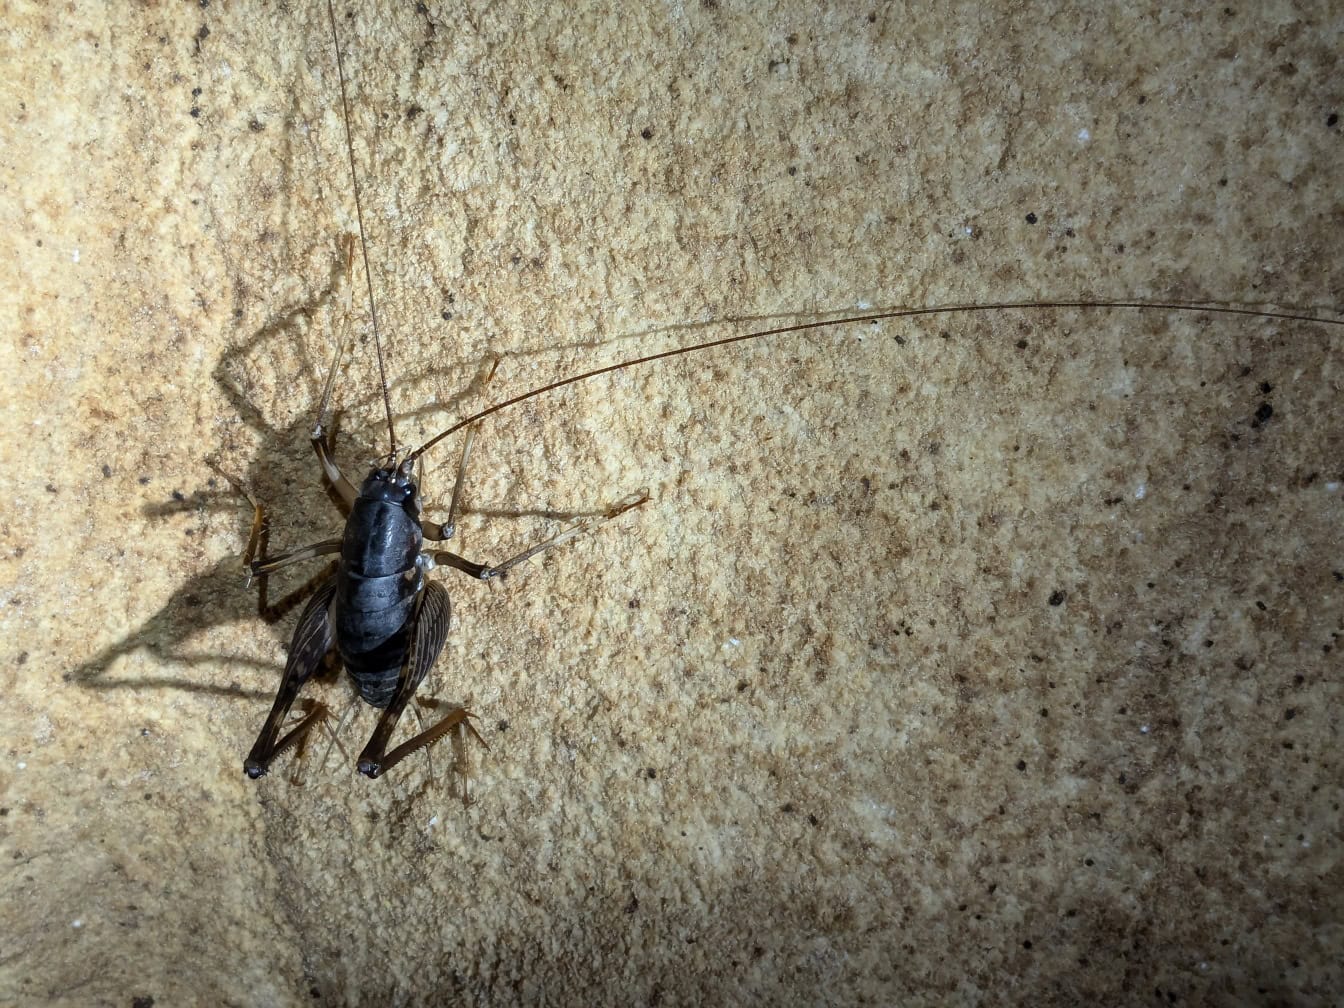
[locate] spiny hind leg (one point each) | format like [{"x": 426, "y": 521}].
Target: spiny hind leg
[
  {"x": 428, "y": 633},
  {"x": 314, "y": 713},
  {"x": 374, "y": 762},
  {"x": 457, "y": 717}
]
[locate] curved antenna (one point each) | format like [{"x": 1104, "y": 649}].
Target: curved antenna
[
  {"x": 1173, "y": 306},
  {"x": 363, "y": 242}
]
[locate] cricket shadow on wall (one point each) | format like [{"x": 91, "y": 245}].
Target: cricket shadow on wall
[{"x": 271, "y": 383}]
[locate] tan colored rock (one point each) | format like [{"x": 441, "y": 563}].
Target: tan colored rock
[{"x": 974, "y": 660}]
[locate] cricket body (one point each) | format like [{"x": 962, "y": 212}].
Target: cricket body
[
  {"x": 386, "y": 623},
  {"x": 380, "y": 582},
  {"x": 378, "y": 613},
  {"x": 382, "y": 617}
]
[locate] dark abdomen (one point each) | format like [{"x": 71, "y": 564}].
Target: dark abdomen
[{"x": 376, "y": 590}]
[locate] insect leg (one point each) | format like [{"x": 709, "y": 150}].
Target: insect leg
[
  {"x": 457, "y": 716},
  {"x": 258, "y": 541},
  {"x": 484, "y": 572},
  {"x": 334, "y": 734},
  {"x": 271, "y": 564},
  {"x": 260, "y": 569},
  {"x": 329, "y": 467},
  {"x": 313, "y": 638},
  {"x": 433, "y": 531},
  {"x": 260, "y": 536},
  {"x": 429, "y": 631},
  {"x": 420, "y": 720},
  {"x": 459, "y": 481},
  {"x": 332, "y": 471},
  {"x": 314, "y": 713}
]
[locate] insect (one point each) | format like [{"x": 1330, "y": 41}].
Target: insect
[
  {"x": 386, "y": 621},
  {"x": 379, "y": 612}
]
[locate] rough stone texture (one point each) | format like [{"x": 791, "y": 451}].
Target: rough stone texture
[{"x": 983, "y": 659}]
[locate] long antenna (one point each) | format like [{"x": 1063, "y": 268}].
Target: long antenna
[
  {"x": 363, "y": 241},
  {"x": 855, "y": 320}
]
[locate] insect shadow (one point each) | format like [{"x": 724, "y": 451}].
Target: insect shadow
[
  {"x": 214, "y": 596},
  {"x": 281, "y": 474}
]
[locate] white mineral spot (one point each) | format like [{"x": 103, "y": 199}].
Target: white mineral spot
[{"x": 1141, "y": 491}]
